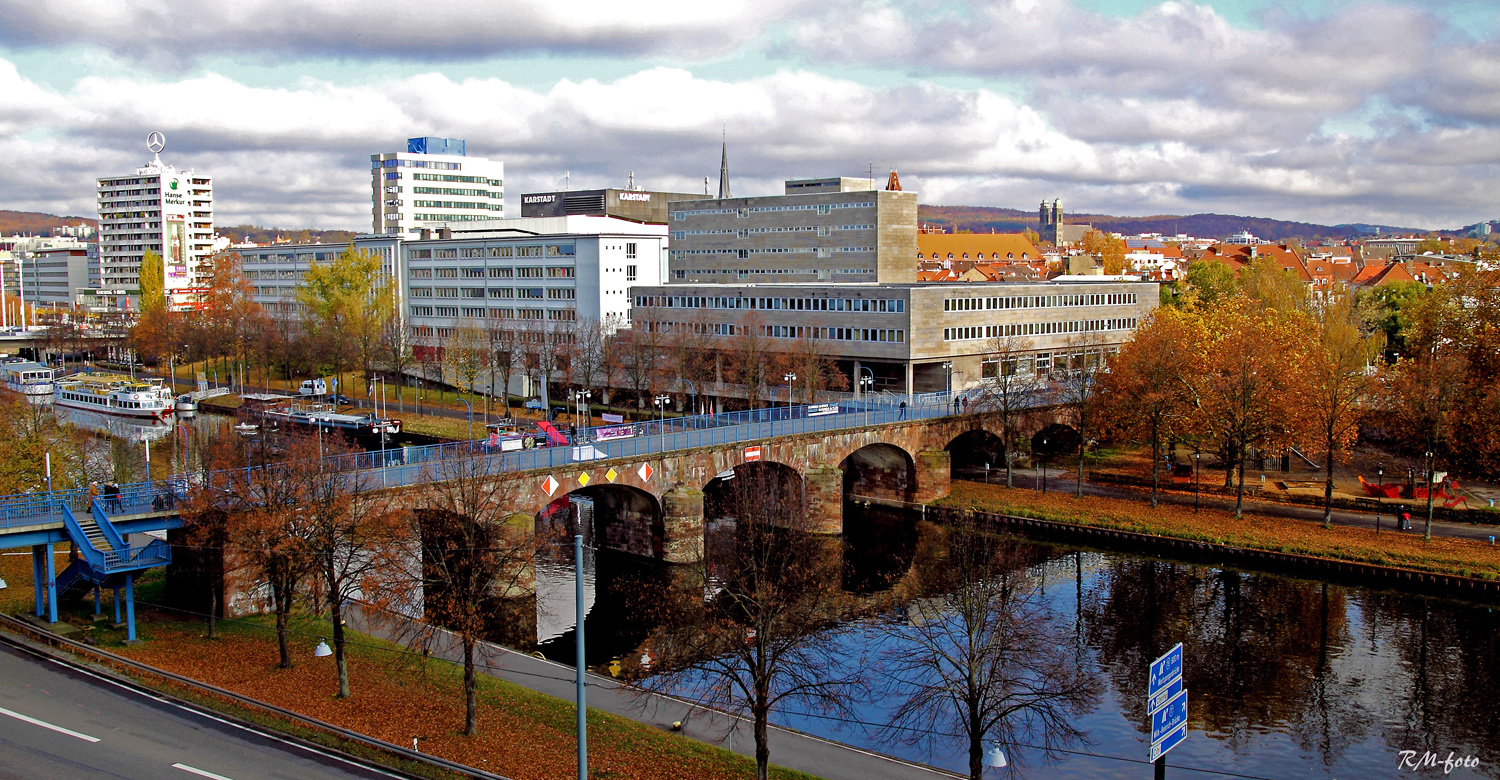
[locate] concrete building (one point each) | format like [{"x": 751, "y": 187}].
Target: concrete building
[
  {"x": 58, "y": 278},
  {"x": 821, "y": 230},
  {"x": 434, "y": 180},
  {"x": 158, "y": 209},
  {"x": 909, "y": 336},
  {"x": 632, "y": 204},
  {"x": 276, "y": 272}
]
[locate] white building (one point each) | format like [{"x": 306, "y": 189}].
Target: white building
[
  {"x": 158, "y": 209},
  {"x": 434, "y": 180}
]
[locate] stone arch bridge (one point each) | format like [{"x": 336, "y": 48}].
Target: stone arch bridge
[{"x": 908, "y": 461}]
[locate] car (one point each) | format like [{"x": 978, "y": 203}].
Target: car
[
  {"x": 536, "y": 403},
  {"x": 342, "y": 400}
]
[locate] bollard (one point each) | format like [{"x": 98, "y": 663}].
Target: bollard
[{"x": 1492, "y": 541}]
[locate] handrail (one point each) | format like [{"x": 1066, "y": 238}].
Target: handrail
[
  {"x": 394, "y": 467},
  {"x": 93, "y": 555},
  {"x": 106, "y": 527}
]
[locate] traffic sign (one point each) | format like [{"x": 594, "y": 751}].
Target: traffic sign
[
  {"x": 1161, "y": 697},
  {"x": 1165, "y": 669},
  {"x": 1159, "y": 749},
  {"x": 1171, "y": 716}
]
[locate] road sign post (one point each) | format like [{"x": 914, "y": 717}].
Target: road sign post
[{"x": 1166, "y": 701}]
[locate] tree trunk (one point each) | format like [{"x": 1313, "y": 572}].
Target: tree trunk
[
  {"x": 1239, "y": 495},
  {"x": 976, "y": 748},
  {"x": 340, "y": 660},
  {"x": 1082, "y": 447},
  {"x": 471, "y": 689},
  {"x": 1328, "y": 488},
  {"x": 281, "y": 634},
  {"x": 213, "y": 611},
  {"x": 1155, "y": 464},
  {"x": 1005, "y": 453},
  {"x": 762, "y": 742}
]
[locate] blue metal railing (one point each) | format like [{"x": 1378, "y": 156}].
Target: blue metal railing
[{"x": 417, "y": 465}]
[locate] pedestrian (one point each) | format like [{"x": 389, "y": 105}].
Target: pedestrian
[
  {"x": 903, "y": 411},
  {"x": 93, "y": 494},
  {"x": 112, "y": 497},
  {"x": 1403, "y": 520}
]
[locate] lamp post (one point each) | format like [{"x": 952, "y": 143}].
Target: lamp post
[
  {"x": 948, "y": 376},
  {"x": 1044, "y": 465},
  {"x": 1427, "y": 535},
  {"x": 471, "y": 418},
  {"x": 789, "y": 377},
  {"x": 661, "y": 402},
  {"x": 1197, "y": 482},
  {"x": 867, "y": 383}
]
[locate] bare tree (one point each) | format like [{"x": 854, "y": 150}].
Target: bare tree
[
  {"x": 1009, "y": 387},
  {"x": 395, "y": 349},
  {"x": 500, "y": 334},
  {"x": 461, "y": 549},
  {"x": 761, "y": 641},
  {"x": 464, "y": 353},
  {"x": 646, "y": 359},
  {"x": 982, "y": 657},
  {"x": 749, "y": 352},
  {"x": 1077, "y": 388}
]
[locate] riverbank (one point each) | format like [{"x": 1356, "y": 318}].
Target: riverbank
[{"x": 1448, "y": 556}]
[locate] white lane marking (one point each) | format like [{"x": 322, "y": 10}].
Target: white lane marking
[
  {"x": 44, "y": 724},
  {"x": 199, "y": 772}
]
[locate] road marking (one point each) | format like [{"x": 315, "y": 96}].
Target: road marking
[
  {"x": 46, "y": 725},
  {"x": 200, "y": 772}
]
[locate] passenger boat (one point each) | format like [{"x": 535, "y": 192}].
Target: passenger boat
[
  {"x": 28, "y": 378},
  {"x": 186, "y": 405},
  {"x": 323, "y": 416},
  {"x": 115, "y": 394}
]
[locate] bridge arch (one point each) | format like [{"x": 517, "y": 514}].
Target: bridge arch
[
  {"x": 972, "y": 449},
  {"x": 623, "y": 518},
  {"x": 764, "y": 488},
  {"x": 880, "y": 470}
]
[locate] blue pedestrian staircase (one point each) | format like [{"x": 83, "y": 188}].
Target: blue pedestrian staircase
[{"x": 106, "y": 560}]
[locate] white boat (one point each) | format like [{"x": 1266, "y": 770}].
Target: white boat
[
  {"x": 186, "y": 404},
  {"x": 28, "y": 378},
  {"x": 114, "y": 394}
]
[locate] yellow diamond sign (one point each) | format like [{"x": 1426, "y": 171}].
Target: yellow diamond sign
[
  {"x": 611, "y": 475},
  {"x": 583, "y": 479}
]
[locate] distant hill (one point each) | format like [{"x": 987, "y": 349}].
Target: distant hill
[
  {"x": 31, "y": 223},
  {"x": 983, "y": 219},
  {"x": 263, "y": 235}
]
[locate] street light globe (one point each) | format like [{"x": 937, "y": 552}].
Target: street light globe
[
  {"x": 322, "y": 650},
  {"x": 995, "y": 758}
]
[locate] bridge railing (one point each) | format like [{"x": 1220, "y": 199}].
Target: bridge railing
[{"x": 416, "y": 465}]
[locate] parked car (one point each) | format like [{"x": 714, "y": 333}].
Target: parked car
[
  {"x": 342, "y": 400},
  {"x": 313, "y": 387}
]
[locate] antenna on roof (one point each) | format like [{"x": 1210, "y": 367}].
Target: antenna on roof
[{"x": 567, "y": 178}]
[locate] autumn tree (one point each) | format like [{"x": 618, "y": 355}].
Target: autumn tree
[
  {"x": 461, "y": 551},
  {"x": 750, "y": 353},
  {"x": 1110, "y": 250},
  {"x": 645, "y": 361},
  {"x": 1076, "y": 387},
  {"x": 815, "y": 369},
  {"x": 760, "y": 640},
  {"x": 501, "y": 349},
  {"x": 464, "y": 353},
  {"x": 1246, "y": 383},
  {"x": 1147, "y": 393},
  {"x": 1336, "y": 382},
  {"x": 1210, "y": 282},
  {"x": 1009, "y": 389},
  {"x": 983, "y": 656},
  {"x": 348, "y": 300},
  {"x": 28, "y": 434},
  {"x": 1388, "y": 309},
  {"x": 394, "y": 348}
]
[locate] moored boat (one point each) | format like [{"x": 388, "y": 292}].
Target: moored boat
[{"x": 114, "y": 394}]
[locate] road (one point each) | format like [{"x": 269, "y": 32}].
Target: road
[
  {"x": 1066, "y": 483},
  {"x": 58, "y": 722}
]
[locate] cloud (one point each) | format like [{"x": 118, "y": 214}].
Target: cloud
[
  {"x": 177, "y": 33},
  {"x": 1170, "y": 110}
]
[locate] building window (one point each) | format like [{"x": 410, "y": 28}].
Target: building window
[
  {"x": 502, "y": 273},
  {"x": 630, "y": 251},
  {"x": 630, "y": 272}
]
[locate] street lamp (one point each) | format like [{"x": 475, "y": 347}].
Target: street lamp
[
  {"x": 1044, "y": 465},
  {"x": 789, "y": 378},
  {"x": 580, "y": 402},
  {"x": 867, "y": 383},
  {"x": 1427, "y": 535},
  {"x": 1197, "y": 482},
  {"x": 661, "y": 402},
  {"x": 471, "y": 417},
  {"x": 948, "y": 369}
]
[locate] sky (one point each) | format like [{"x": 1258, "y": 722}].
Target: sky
[{"x": 1329, "y": 111}]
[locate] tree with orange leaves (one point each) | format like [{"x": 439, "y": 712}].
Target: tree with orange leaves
[{"x": 1337, "y": 381}]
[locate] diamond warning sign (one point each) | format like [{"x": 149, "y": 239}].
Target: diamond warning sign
[
  {"x": 611, "y": 475},
  {"x": 645, "y": 472},
  {"x": 551, "y": 485},
  {"x": 583, "y": 479}
]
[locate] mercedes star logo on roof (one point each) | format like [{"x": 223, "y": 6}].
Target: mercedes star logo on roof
[{"x": 156, "y": 142}]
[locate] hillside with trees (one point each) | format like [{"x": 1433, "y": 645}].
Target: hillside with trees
[
  {"x": 32, "y": 223},
  {"x": 984, "y": 219}
]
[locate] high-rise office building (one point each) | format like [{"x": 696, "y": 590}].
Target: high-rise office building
[
  {"x": 434, "y": 180},
  {"x": 158, "y": 209}
]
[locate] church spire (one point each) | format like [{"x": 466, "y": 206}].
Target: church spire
[{"x": 724, "y": 171}]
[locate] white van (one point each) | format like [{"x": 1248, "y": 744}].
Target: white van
[{"x": 313, "y": 387}]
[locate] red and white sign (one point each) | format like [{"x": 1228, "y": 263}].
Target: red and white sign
[
  {"x": 752, "y": 453},
  {"x": 551, "y": 485},
  {"x": 645, "y": 472}
]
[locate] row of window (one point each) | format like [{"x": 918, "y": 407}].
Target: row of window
[
  {"x": 555, "y": 293},
  {"x": 1043, "y": 363},
  {"x": 973, "y": 332},
  {"x": 455, "y": 178},
  {"x": 891, "y": 335},
  {"x": 821, "y": 208},
  {"x": 454, "y": 191},
  {"x": 448, "y": 217},
  {"x": 456, "y": 204},
  {"x": 529, "y": 250},
  {"x": 1039, "y": 301},
  {"x": 479, "y": 313},
  {"x": 523, "y": 272},
  {"x": 430, "y": 164},
  {"x": 877, "y": 305},
  {"x": 979, "y": 256},
  {"x": 822, "y": 230}
]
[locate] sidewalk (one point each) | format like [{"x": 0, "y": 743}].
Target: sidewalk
[
  {"x": 1065, "y": 482},
  {"x": 791, "y": 749}
]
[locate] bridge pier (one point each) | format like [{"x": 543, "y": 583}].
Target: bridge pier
[
  {"x": 934, "y": 475},
  {"x": 44, "y": 580},
  {"x": 825, "y": 499},
  {"x": 682, "y": 525}
]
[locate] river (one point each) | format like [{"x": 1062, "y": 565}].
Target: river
[{"x": 1287, "y": 678}]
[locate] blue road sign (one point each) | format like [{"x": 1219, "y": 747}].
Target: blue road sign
[
  {"x": 1159, "y": 749},
  {"x": 1161, "y": 697},
  {"x": 1172, "y": 715},
  {"x": 1165, "y": 669}
]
